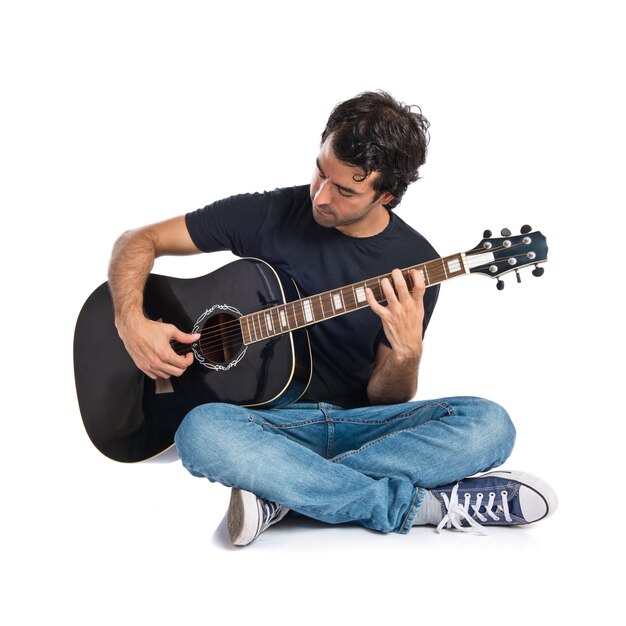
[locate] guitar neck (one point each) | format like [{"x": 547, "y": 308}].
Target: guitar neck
[{"x": 284, "y": 318}]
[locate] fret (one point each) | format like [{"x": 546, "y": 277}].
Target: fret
[
  {"x": 276, "y": 320},
  {"x": 455, "y": 265},
  {"x": 254, "y": 328},
  {"x": 348, "y": 298},
  {"x": 289, "y": 316},
  {"x": 249, "y": 328},
  {"x": 443, "y": 265},
  {"x": 327, "y": 305},
  {"x": 406, "y": 274},
  {"x": 244, "y": 329},
  {"x": 421, "y": 269},
  {"x": 379, "y": 293},
  {"x": 374, "y": 286},
  {"x": 250, "y": 331},
  {"x": 377, "y": 288},
  {"x": 307, "y": 310},
  {"x": 393, "y": 284},
  {"x": 425, "y": 273},
  {"x": 263, "y": 325},
  {"x": 338, "y": 301},
  {"x": 298, "y": 313},
  {"x": 284, "y": 321},
  {"x": 383, "y": 297},
  {"x": 434, "y": 274},
  {"x": 255, "y": 333},
  {"x": 359, "y": 294},
  {"x": 241, "y": 330},
  {"x": 318, "y": 310},
  {"x": 354, "y": 302},
  {"x": 257, "y": 326}
]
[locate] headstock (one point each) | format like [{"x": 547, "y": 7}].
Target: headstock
[{"x": 501, "y": 255}]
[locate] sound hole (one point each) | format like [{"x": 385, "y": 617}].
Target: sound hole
[{"x": 221, "y": 338}]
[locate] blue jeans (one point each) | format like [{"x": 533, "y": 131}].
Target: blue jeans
[{"x": 367, "y": 465}]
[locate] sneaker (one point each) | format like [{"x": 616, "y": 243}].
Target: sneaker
[
  {"x": 249, "y": 516},
  {"x": 503, "y": 498}
]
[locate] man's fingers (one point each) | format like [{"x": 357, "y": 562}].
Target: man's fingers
[
  {"x": 419, "y": 286},
  {"x": 371, "y": 300},
  {"x": 172, "y": 363},
  {"x": 164, "y": 361},
  {"x": 149, "y": 343},
  {"x": 167, "y": 370},
  {"x": 399, "y": 284},
  {"x": 179, "y": 335},
  {"x": 387, "y": 288}
]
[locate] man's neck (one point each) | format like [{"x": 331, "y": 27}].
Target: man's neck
[{"x": 373, "y": 224}]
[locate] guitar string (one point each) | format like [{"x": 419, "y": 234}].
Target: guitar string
[
  {"x": 372, "y": 283},
  {"x": 218, "y": 332},
  {"x": 378, "y": 294},
  {"x": 318, "y": 297},
  {"x": 217, "y": 336},
  {"x": 231, "y": 331}
]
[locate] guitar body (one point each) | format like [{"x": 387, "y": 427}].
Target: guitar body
[{"x": 128, "y": 416}]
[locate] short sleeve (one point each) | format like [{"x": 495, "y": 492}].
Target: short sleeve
[{"x": 229, "y": 224}]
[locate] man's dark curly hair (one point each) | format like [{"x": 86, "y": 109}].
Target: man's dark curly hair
[{"x": 376, "y": 133}]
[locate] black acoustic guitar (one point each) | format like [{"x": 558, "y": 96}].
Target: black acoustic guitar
[{"x": 253, "y": 350}]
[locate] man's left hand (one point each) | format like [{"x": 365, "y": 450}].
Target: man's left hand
[{"x": 403, "y": 316}]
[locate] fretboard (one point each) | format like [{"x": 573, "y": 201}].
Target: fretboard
[{"x": 284, "y": 318}]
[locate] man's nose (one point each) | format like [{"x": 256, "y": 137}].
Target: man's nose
[{"x": 323, "y": 193}]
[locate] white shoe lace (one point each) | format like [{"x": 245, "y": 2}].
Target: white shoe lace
[{"x": 457, "y": 512}]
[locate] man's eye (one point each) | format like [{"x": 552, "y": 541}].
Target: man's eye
[{"x": 345, "y": 194}]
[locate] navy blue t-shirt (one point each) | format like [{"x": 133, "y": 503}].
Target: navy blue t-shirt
[{"x": 278, "y": 227}]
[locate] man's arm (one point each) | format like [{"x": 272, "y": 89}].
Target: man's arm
[
  {"x": 147, "y": 342},
  {"x": 394, "y": 376}
]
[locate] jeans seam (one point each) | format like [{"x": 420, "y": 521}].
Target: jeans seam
[
  {"x": 330, "y": 439},
  {"x": 425, "y": 407},
  {"x": 295, "y": 424},
  {"x": 412, "y": 512},
  {"x": 351, "y": 453}
]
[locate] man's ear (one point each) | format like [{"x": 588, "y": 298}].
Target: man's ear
[{"x": 386, "y": 197}]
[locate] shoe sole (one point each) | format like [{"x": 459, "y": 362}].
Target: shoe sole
[{"x": 242, "y": 527}]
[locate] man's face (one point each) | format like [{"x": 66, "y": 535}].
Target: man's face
[{"x": 339, "y": 201}]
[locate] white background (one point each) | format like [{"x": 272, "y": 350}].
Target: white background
[{"x": 118, "y": 114}]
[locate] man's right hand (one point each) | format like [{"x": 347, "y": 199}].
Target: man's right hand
[{"x": 148, "y": 343}]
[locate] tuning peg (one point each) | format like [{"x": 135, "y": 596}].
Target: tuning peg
[
  {"x": 538, "y": 271},
  {"x": 500, "y": 284},
  {"x": 519, "y": 278},
  {"x": 487, "y": 234},
  {"x": 505, "y": 232},
  {"x": 525, "y": 229}
]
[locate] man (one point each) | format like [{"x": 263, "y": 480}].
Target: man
[{"x": 355, "y": 448}]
